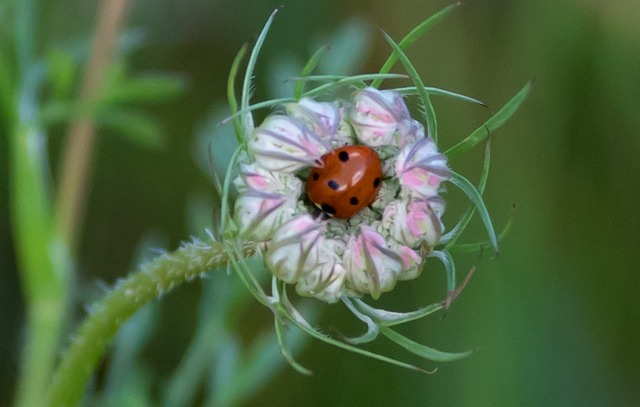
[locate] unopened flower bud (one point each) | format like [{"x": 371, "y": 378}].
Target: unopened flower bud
[
  {"x": 420, "y": 168},
  {"x": 414, "y": 222},
  {"x": 376, "y": 116},
  {"x": 284, "y": 144},
  {"x": 322, "y": 118},
  {"x": 295, "y": 247},
  {"x": 372, "y": 267}
]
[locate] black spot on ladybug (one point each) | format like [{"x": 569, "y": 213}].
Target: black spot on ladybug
[
  {"x": 376, "y": 182},
  {"x": 328, "y": 208},
  {"x": 354, "y": 200},
  {"x": 315, "y": 176},
  {"x": 343, "y": 156},
  {"x": 333, "y": 185}
]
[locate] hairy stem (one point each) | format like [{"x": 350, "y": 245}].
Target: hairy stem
[{"x": 154, "y": 279}]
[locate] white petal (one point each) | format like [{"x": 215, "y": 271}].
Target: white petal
[
  {"x": 259, "y": 214},
  {"x": 420, "y": 168},
  {"x": 322, "y": 118},
  {"x": 415, "y": 222},
  {"x": 282, "y": 143},
  {"x": 372, "y": 267},
  {"x": 295, "y": 248},
  {"x": 376, "y": 116}
]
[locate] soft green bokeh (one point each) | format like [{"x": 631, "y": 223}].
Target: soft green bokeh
[{"x": 554, "y": 320}]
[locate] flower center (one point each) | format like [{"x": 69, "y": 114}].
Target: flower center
[{"x": 347, "y": 181}]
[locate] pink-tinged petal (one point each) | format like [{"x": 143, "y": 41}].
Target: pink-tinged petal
[
  {"x": 377, "y": 116},
  {"x": 325, "y": 281},
  {"x": 259, "y": 214},
  {"x": 282, "y": 143},
  {"x": 294, "y": 248},
  {"x": 253, "y": 177},
  {"x": 411, "y": 261},
  {"x": 372, "y": 267},
  {"x": 420, "y": 168},
  {"x": 416, "y": 222},
  {"x": 322, "y": 118},
  {"x": 301, "y": 254}
]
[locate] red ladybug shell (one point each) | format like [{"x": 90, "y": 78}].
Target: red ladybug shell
[{"x": 348, "y": 181}]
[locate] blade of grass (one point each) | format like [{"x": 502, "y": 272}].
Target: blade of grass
[
  {"x": 449, "y": 267},
  {"x": 467, "y": 187},
  {"x": 289, "y": 312},
  {"x": 412, "y": 36},
  {"x": 231, "y": 93},
  {"x": 391, "y": 318},
  {"x": 492, "y": 124},
  {"x": 411, "y": 90},
  {"x": 450, "y": 238},
  {"x": 306, "y": 71},
  {"x": 422, "y": 350},
  {"x": 246, "y": 120},
  {"x": 426, "y": 106}
]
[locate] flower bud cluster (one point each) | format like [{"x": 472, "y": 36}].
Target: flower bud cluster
[{"x": 367, "y": 254}]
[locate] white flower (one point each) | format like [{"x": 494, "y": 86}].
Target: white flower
[
  {"x": 284, "y": 144},
  {"x": 301, "y": 253},
  {"x": 420, "y": 168},
  {"x": 373, "y": 267},
  {"x": 322, "y": 118},
  {"x": 295, "y": 247},
  {"x": 376, "y": 116},
  {"x": 267, "y": 200},
  {"x": 414, "y": 222},
  {"x": 325, "y": 257}
]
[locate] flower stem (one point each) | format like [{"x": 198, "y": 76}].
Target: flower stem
[
  {"x": 82, "y": 133},
  {"x": 154, "y": 278}
]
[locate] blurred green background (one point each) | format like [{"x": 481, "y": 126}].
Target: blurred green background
[{"x": 554, "y": 320}]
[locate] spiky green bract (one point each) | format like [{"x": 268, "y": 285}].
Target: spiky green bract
[
  {"x": 425, "y": 101},
  {"x": 492, "y": 124},
  {"x": 448, "y": 239},
  {"x": 472, "y": 193},
  {"x": 154, "y": 279},
  {"x": 306, "y": 71},
  {"x": 412, "y": 36},
  {"x": 231, "y": 92}
]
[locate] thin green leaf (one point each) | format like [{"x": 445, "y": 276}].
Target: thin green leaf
[
  {"x": 492, "y": 124},
  {"x": 239, "y": 263},
  {"x": 372, "y": 327},
  {"x": 475, "y": 197},
  {"x": 246, "y": 121},
  {"x": 285, "y": 352},
  {"x": 306, "y": 71},
  {"x": 391, "y": 318},
  {"x": 231, "y": 93},
  {"x": 412, "y": 36},
  {"x": 450, "y": 238},
  {"x": 319, "y": 90},
  {"x": 361, "y": 77},
  {"x": 427, "y": 107},
  {"x": 412, "y": 90},
  {"x": 296, "y": 318},
  {"x": 422, "y": 350},
  {"x": 449, "y": 267},
  {"x": 225, "y": 211},
  {"x": 485, "y": 245}
]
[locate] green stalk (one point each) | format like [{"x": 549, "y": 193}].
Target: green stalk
[
  {"x": 154, "y": 279},
  {"x": 42, "y": 264}
]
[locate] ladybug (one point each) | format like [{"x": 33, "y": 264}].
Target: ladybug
[{"x": 347, "y": 181}]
